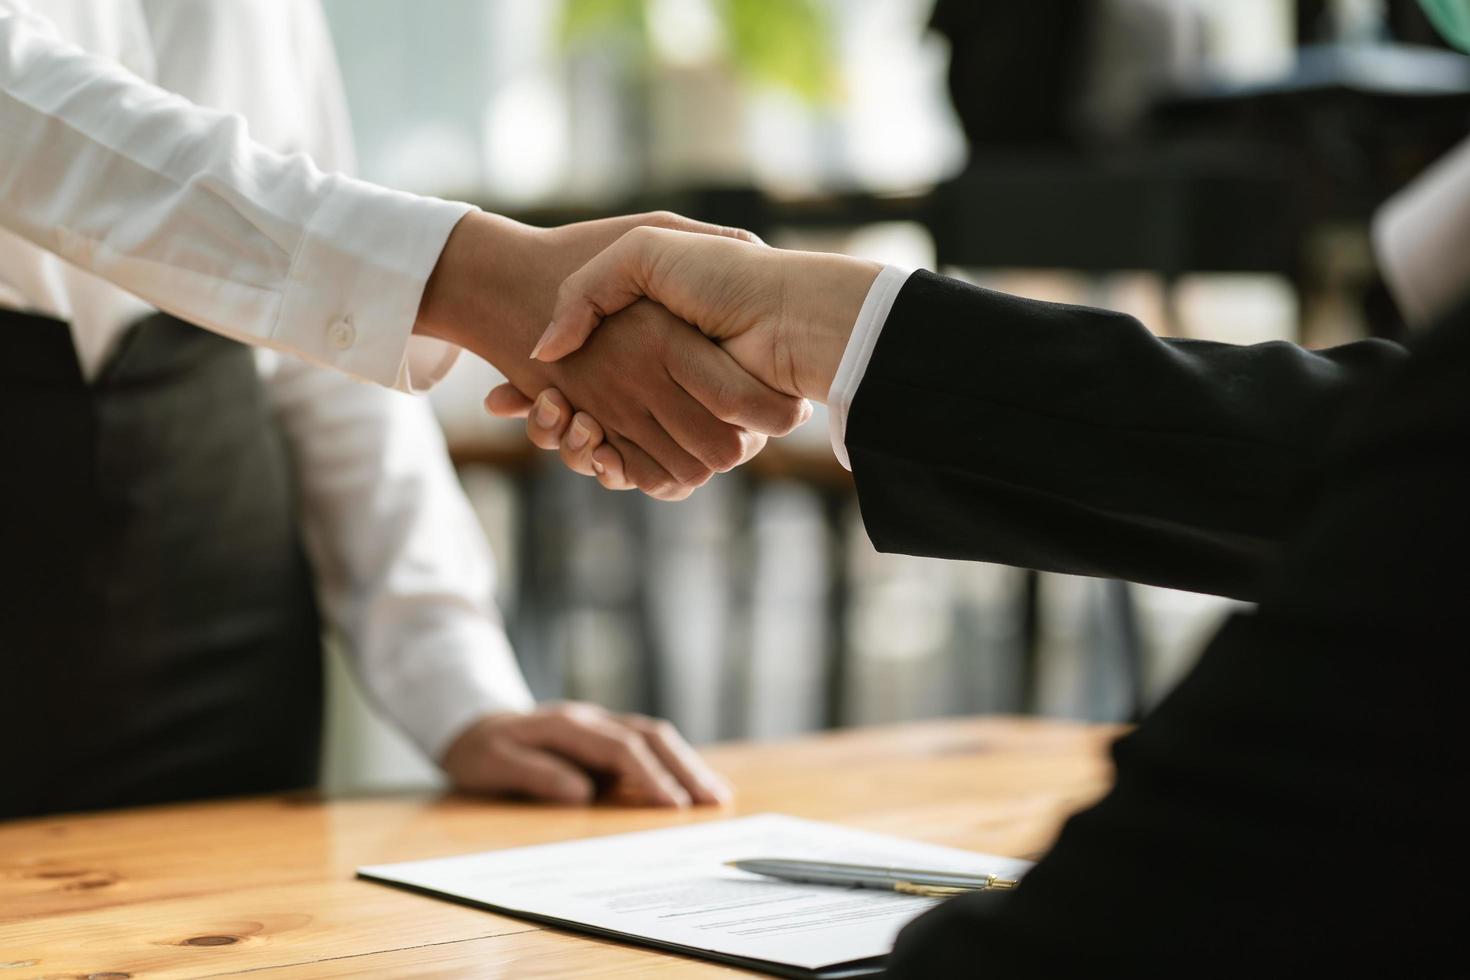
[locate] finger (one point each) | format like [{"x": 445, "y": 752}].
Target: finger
[
  {"x": 677, "y": 222},
  {"x": 751, "y": 444},
  {"x": 644, "y": 780},
  {"x": 549, "y": 419},
  {"x": 679, "y": 757},
  {"x": 614, "y": 279},
  {"x": 581, "y": 439},
  {"x": 712, "y": 446},
  {"x": 643, "y": 472},
  {"x": 600, "y": 744},
  {"x": 523, "y": 770},
  {"x": 608, "y": 465},
  {"x": 674, "y": 465},
  {"x": 728, "y": 392},
  {"x": 507, "y": 402}
]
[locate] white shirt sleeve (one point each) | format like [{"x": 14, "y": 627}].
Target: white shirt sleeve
[
  {"x": 176, "y": 204},
  {"x": 859, "y": 351},
  {"x": 1422, "y": 237},
  {"x": 403, "y": 572}
]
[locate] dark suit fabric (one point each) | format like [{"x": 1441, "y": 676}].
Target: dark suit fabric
[
  {"x": 1288, "y": 807},
  {"x": 1063, "y": 438},
  {"x": 159, "y": 634}
]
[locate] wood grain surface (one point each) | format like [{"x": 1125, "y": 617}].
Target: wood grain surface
[{"x": 265, "y": 886}]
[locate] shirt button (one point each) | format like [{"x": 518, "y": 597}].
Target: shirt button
[{"x": 343, "y": 334}]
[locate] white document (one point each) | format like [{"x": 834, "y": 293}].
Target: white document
[{"x": 671, "y": 888}]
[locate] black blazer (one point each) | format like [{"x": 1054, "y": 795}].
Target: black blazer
[{"x": 1287, "y": 806}]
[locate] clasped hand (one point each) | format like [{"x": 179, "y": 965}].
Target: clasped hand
[
  {"x": 672, "y": 408},
  {"x": 783, "y": 317}
]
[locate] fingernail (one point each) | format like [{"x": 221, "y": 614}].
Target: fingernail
[
  {"x": 806, "y": 411},
  {"x": 546, "y": 413},
  {"x": 598, "y": 468},
  {"x": 542, "y": 342},
  {"x": 580, "y": 434}
]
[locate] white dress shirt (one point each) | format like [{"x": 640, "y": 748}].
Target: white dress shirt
[
  {"x": 1421, "y": 236},
  {"x": 153, "y": 201},
  {"x": 117, "y": 195},
  {"x": 859, "y": 351}
]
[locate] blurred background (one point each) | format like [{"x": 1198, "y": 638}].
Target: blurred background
[{"x": 1209, "y": 166}]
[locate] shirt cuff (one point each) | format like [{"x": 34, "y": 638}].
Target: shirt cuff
[
  {"x": 356, "y": 282},
  {"x": 429, "y": 360},
  {"x": 854, "y": 364}
]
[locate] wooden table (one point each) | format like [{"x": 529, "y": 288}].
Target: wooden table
[{"x": 265, "y": 886}]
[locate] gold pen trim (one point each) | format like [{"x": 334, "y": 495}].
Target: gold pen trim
[{"x": 992, "y": 883}]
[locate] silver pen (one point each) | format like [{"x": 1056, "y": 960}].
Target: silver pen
[{"x": 909, "y": 881}]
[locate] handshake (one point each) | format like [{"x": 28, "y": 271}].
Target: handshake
[{"x": 621, "y": 382}]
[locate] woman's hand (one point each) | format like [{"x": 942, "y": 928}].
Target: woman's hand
[
  {"x": 675, "y": 407},
  {"x": 574, "y": 753},
  {"x": 783, "y": 316},
  {"x": 552, "y": 424}
]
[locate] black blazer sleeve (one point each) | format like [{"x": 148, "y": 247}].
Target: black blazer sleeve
[
  {"x": 1313, "y": 747},
  {"x": 994, "y": 428}
]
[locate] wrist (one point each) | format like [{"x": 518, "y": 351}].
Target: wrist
[
  {"x": 485, "y": 291},
  {"x": 442, "y": 310},
  {"x": 825, "y": 294}
]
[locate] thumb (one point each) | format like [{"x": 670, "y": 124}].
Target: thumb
[
  {"x": 507, "y": 402},
  {"x": 526, "y": 771},
  {"x": 613, "y": 279}
]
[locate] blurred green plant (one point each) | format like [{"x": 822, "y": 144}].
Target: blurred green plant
[
  {"x": 786, "y": 44},
  {"x": 585, "y": 19}
]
